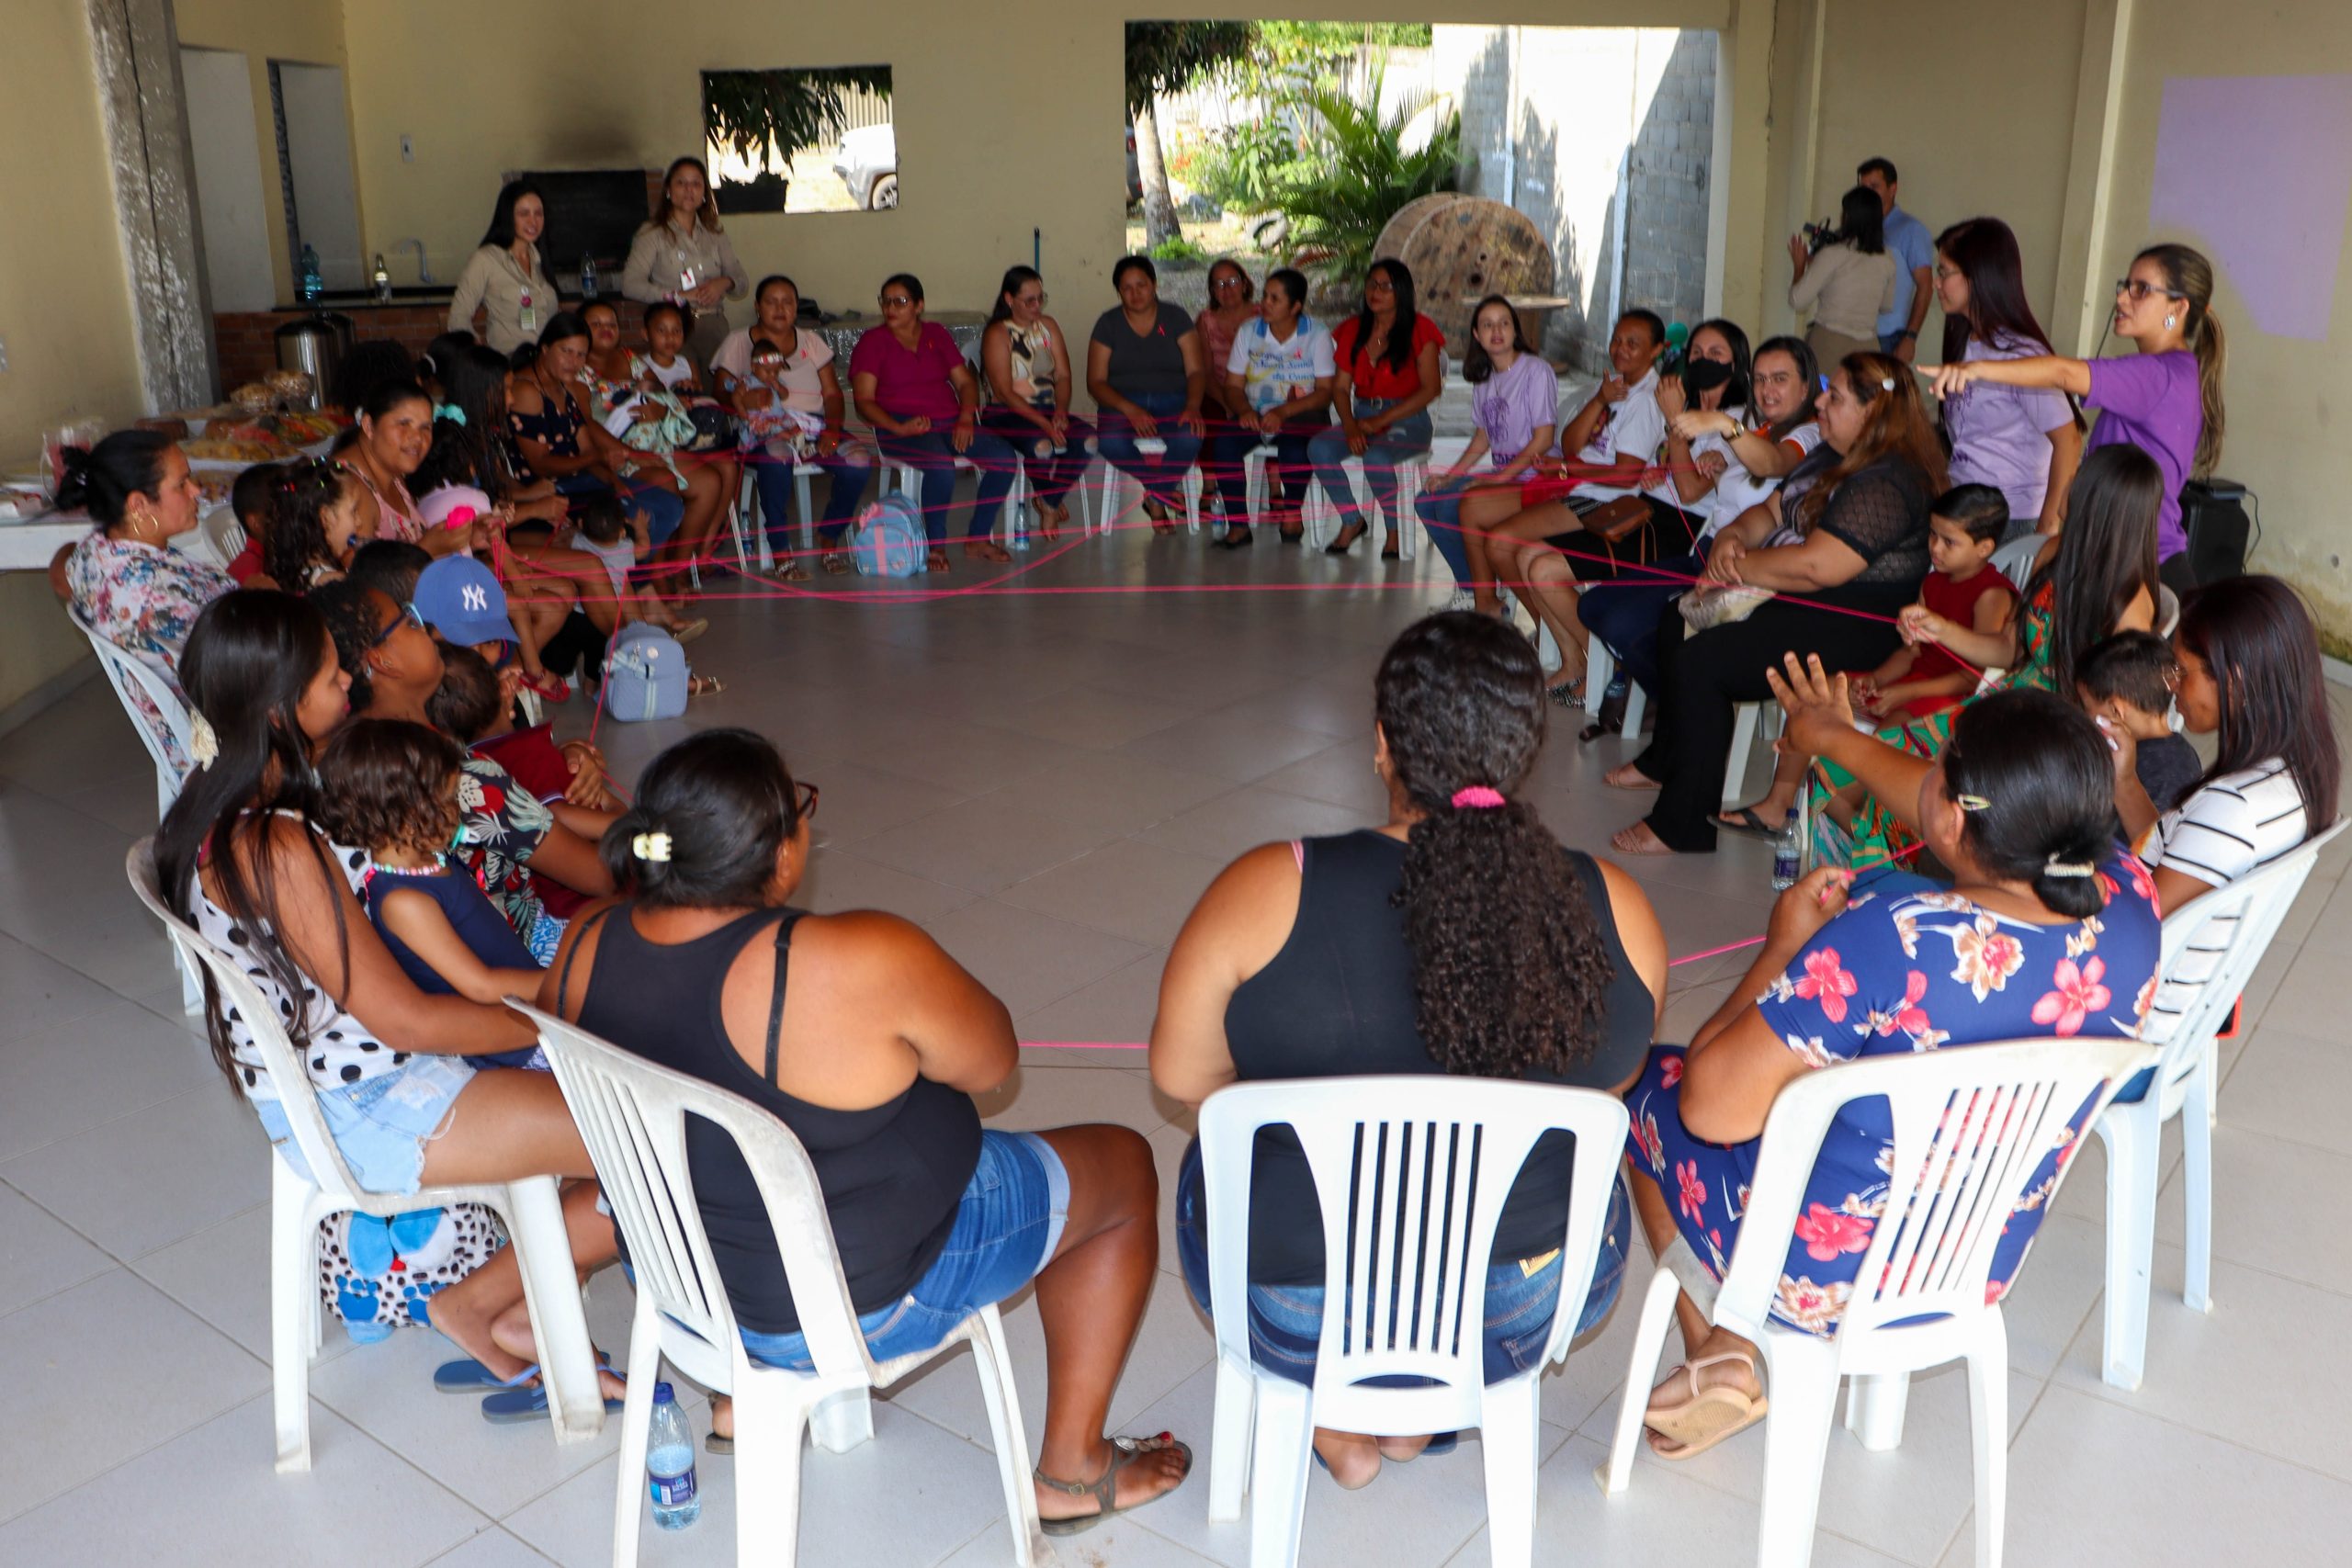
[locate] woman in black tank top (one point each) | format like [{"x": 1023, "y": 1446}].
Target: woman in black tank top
[
  {"x": 866, "y": 1039},
  {"x": 1460, "y": 937}
]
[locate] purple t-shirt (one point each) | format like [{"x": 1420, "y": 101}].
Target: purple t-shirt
[
  {"x": 1510, "y": 405},
  {"x": 1999, "y": 434},
  {"x": 2152, "y": 401},
  {"x": 908, "y": 382}
]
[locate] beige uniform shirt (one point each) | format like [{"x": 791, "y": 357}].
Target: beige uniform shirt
[
  {"x": 491, "y": 280},
  {"x": 658, "y": 257}
]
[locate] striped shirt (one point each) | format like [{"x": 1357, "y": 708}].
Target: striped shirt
[{"x": 2236, "y": 823}]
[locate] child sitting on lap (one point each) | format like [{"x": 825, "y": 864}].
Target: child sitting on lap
[
  {"x": 2129, "y": 680},
  {"x": 391, "y": 788},
  {"x": 474, "y": 706},
  {"x": 1963, "y": 529},
  {"x": 620, "y": 539}
]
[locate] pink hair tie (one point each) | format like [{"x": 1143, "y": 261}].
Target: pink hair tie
[{"x": 1478, "y": 797}]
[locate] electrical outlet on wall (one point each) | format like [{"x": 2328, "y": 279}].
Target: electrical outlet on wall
[
  {"x": 408, "y": 149},
  {"x": 4, "y": 353}
]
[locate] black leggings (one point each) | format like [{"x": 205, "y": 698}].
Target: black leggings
[{"x": 1705, "y": 675}]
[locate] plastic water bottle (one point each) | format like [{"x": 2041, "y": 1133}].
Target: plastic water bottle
[
  {"x": 669, "y": 1464},
  {"x": 309, "y": 283},
  {"x": 587, "y": 277},
  {"x": 1788, "y": 853}
]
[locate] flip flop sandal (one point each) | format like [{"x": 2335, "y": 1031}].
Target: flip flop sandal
[
  {"x": 551, "y": 686},
  {"x": 517, "y": 1406},
  {"x": 1567, "y": 693},
  {"x": 704, "y": 686},
  {"x": 836, "y": 563},
  {"x": 470, "y": 1376},
  {"x": 1747, "y": 821},
  {"x": 790, "y": 571},
  {"x": 1646, "y": 782},
  {"x": 686, "y": 631},
  {"x": 1124, "y": 1451},
  {"x": 1708, "y": 1417},
  {"x": 712, "y": 1443}
]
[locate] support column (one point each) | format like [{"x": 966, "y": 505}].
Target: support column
[
  {"x": 135, "y": 46},
  {"x": 1746, "y": 137},
  {"x": 2083, "y": 296}
]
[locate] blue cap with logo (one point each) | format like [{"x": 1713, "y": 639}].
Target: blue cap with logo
[{"x": 459, "y": 598}]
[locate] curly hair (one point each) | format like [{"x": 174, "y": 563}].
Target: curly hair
[
  {"x": 294, "y": 545},
  {"x": 1510, "y": 965},
  {"x": 386, "y": 784}
]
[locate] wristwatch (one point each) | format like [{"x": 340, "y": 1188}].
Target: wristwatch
[{"x": 1911, "y": 332}]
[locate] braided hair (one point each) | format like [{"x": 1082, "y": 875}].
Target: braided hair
[{"x": 1510, "y": 963}]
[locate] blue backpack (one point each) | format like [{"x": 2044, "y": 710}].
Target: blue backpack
[
  {"x": 645, "y": 673},
  {"x": 888, "y": 538}
]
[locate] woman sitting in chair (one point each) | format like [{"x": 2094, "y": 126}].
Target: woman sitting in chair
[
  {"x": 1458, "y": 937},
  {"x": 870, "y": 1056},
  {"x": 124, "y": 578},
  {"x": 2048, "y": 927},
  {"x": 242, "y": 858}
]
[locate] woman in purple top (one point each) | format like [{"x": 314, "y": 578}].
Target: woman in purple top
[
  {"x": 2025, "y": 442},
  {"x": 1515, "y": 403},
  {"x": 2167, "y": 399},
  {"x": 912, "y": 386}
]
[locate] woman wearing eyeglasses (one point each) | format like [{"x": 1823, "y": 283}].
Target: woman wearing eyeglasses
[
  {"x": 1026, "y": 360},
  {"x": 2166, "y": 400},
  {"x": 1233, "y": 304},
  {"x": 912, "y": 386}
]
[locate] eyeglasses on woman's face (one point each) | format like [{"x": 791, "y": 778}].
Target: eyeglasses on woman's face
[
  {"x": 1378, "y": 284},
  {"x": 804, "y": 795},
  {"x": 895, "y": 301},
  {"x": 2137, "y": 290},
  {"x": 1228, "y": 280},
  {"x": 408, "y": 614}
]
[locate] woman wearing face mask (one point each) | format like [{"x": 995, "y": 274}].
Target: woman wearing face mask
[
  {"x": 2166, "y": 400},
  {"x": 1780, "y": 432},
  {"x": 681, "y": 252},
  {"x": 1545, "y": 569},
  {"x": 504, "y": 279},
  {"x": 2023, "y": 441}
]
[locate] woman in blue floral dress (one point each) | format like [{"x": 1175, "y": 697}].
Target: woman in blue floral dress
[
  {"x": 2049, "y": 927},
  {"x": 133, "y": 588}
]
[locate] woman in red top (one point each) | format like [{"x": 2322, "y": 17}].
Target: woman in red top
[{"x": 1391, "y": 368}]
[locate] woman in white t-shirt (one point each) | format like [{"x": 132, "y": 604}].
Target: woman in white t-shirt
[
  {"x": 789, "y": 371},
  {"x": 2250, "y": 670},
  {"x": 1277, "y": 379},
  {"x": 1548, "y": 551},
  {"x": 1756, "y": 453}
]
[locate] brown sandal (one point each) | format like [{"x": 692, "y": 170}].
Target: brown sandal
[{"x": 1124, "y": 1451}]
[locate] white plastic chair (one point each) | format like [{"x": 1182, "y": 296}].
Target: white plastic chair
[
  {"x": 632, "y": 1114},
  {"x": 1750, "y": 722},
  {"x": 2230, "y": 929},
  {"x": 1121, "y": 490},
  {"x": 908, "y": 479},
  {"x": 1600, "y": 668},
  {"x": 223, "y": 536},
  {"x": 1439, "y": 1156},
  {"x": 531, "y": 1207},
  {"x": 1412, "y": 477},
  {"x": 1972, "y": 1123}
]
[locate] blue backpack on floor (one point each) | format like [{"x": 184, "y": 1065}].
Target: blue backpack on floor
[
  {"x": 645, "y": 673},
  {"x": 888, "y": 538}
]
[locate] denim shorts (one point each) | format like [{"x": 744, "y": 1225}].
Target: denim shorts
[
  {"x": 381, "y": 1124},
  {"x": 1286, "y": 1321},
  {"x": 1006, "y": 1229}
]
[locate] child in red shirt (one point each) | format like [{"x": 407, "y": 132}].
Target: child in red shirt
[{"x": 1964, "y": 528}]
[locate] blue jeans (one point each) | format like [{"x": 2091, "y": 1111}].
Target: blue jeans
[
  {"x": 664, "y": 509},
  {"x": 1006, "y": 1229},
  {"x": 1287, "y": 471},
  {"x": 1624, "y": 616},
  {"x": 1162, "y": 476},
  {"x": 844, "y": 487},
  {"x": 933, "y": 455},
  {"x": 1441, "y": 510},
  {"x": 1051, "y": 473},
  {"x": 1409, "y": 437},
  {"x": 1286, "y": 1321}
]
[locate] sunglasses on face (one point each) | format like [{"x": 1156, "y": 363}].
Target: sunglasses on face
[{"x": 408, "y": 614}]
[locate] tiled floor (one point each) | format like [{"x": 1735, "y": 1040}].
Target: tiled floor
[{"x": 1047, "y": 781}]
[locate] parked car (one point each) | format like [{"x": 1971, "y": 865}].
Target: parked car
[{"x": 867, "y": 164}]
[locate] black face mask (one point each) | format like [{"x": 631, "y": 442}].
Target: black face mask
[{"x": 1702, "y": 375}]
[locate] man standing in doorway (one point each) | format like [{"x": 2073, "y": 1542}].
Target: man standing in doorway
[{"x": 1914, "y": 250}]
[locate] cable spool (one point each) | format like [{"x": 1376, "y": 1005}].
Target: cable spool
[{"x": 1462, "y": 248}]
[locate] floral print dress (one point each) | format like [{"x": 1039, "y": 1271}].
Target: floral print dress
[
  {"x": 501, "y": 829},
  {"x": 1910, "y": 967},
  {"x": 144, "y": 601},
  {"x": 1875, "y": 837}
]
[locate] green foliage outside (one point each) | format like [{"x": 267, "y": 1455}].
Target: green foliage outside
[
  {"x": 1355, "y": 177},
  {"x": 775, "y": 114},
  {"x": 1177, "y": 251}
]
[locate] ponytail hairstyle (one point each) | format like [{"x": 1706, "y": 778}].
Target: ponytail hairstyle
[
  {"x": 468, "y": 425},
  {"x": 102, "y": 478},
  {"x": 1510, "y": 966},
  {"x": 433, "y": 365},
  {"x": 2107, "y": 555},
  {"x": 710, "y": 813},
  {"x": 1015, "y": 279},
  {"x": 1476, "y": 366},
  {"x": 249, "y": 659},
  {"x": 2190, "y": 276},
  {"x": 2048, "y": 780},
  {"x": 2256, "y": 638},
  {"x": 295, "y": 543},
  {"x": 1293, "y": 284}
]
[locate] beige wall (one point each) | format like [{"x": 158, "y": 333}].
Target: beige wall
[
  {"x": 2284, "y": 395},
  {"x": 64, "y": 303},
  {"x": 309, "y": 31}
]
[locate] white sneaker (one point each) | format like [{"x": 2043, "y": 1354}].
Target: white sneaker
[{"x": 1462, "y": 600}]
